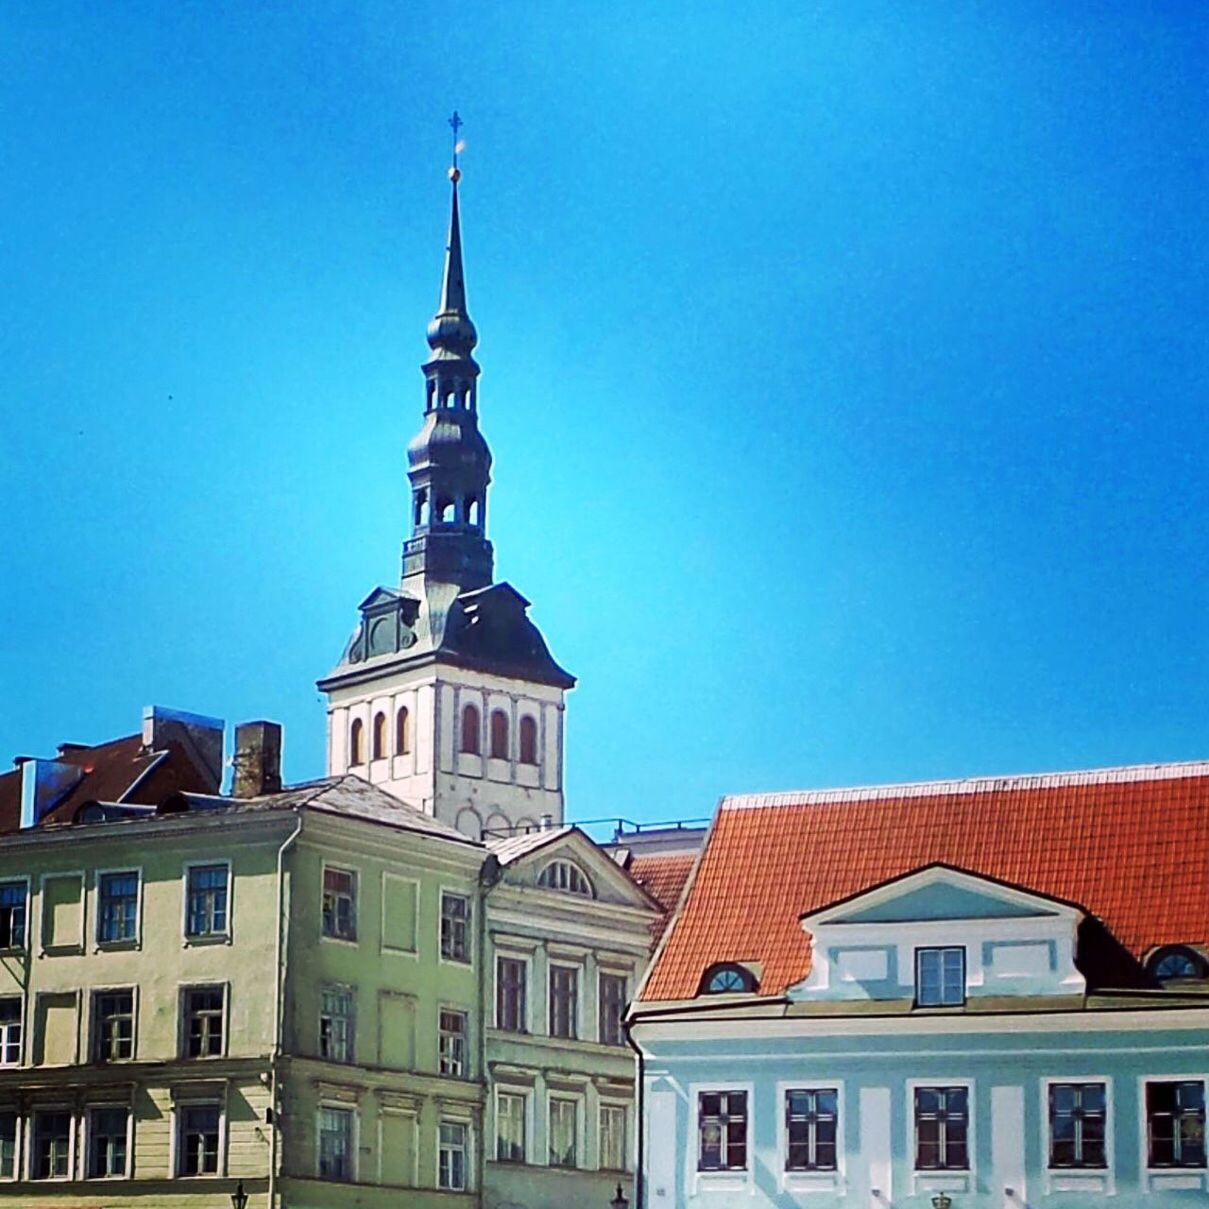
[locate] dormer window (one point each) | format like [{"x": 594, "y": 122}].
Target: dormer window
[
  {"x": 940, "y": 977},
  {"x": 562, "y": 875},
  {"x": 730, "y": 978},
  {"x": 1176, "y": 961}
]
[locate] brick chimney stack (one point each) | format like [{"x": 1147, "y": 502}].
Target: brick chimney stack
[{"x": 257, "y": 760}]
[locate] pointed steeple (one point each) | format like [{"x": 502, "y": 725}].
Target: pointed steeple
[{"x": 449, "y": 464}]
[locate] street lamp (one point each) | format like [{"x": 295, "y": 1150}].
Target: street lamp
[
  {"x": 941, "y": 1201},
  {"x": 620, "y": 1201},
  {"x": 239, "y": 1198}
]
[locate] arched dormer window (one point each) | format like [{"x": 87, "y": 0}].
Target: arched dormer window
[
  {"x": 378, "y": 744},
  {"x": 499, "y": 735},
  {"x": 356, "y": 742},
  {"x": 528, "y": 731},
  {"x": 470, "y": 730},
  {"x": 562, "y": 875},
  {"x": 1176, "y": 961},
  {"x": 402, "y": 731},
  {"x": 728, "y": 978}
]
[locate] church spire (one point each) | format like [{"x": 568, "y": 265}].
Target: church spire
[{"x": 449, "y": 464}]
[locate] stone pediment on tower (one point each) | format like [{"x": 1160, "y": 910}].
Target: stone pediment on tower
[{"x": 486, "y": 630}]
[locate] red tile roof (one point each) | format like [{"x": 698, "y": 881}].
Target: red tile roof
[
  {"x": 663, "y": 877},
  {"x": 1130, "y": 845},
  {"x": 117, "y": 771}
]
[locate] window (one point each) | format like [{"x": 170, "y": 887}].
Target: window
[
  {"x": 1175, "y": 1123},
  {"x": 51, "y": 1157},
  {"x": 1177, "y": 961},
  {"x": 470, "y": 730},
  {"x": 510, "y": 994},
  {"x": 612, "y": 1008},
  {"x": 562, "y": 875},
  {"x": 728, "y": 979},
  {"x": 564, "y": 996},
  {"x": 455, "y": 927},
  {"x": 563, "y": 1114},
  {"x": 336, "y": 1025},
  {"x": 356, "y": 742},
  {"x": 117, "y": 919},
  {"x": 499, "y": 735},
  {"x": 379, "y": 737},
  {"x": 942, "y": 1129},
  {"x": 510, "y": 1127},
  {"x": 197, "y": 1139},
  {"x": 451, "y": 1156},
  {"x": 335, "y": 1143},
  {"x": 722, "y": 1131},
  {"x": 13, "y": 897},
  {"x": 452, "y": 1042},
  {"x": 8, "y": 1145},
  {"x": 612, "y": 1137},
  {"x": 528, "y": 729},
  {"x": 107, "y": 1136},
  {"x": 402, "y": 731},
  {"x": 10, "y": 1031},
  {"x": 204, "y": 1009},
  {"x": 112, "y": 1025},
  {"x": 340, "y": 904},
  {"x": 206, "y": 910},
  {"x": 811, "y": 1126},
  {"x": 940, "y": 977},
  {"x": 1076, "y": 1124}
]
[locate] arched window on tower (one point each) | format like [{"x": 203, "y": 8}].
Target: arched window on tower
[
  {"x": 402, "y": 731},
  {"x": 472, "y": 510},
  {"x": 356, "y": 742},
  {"x": 470, "y": 730},
  {"x": 499, "y": 735},
  {"x": 378, "y": 745},
  {"x": 528, "y": 739}
]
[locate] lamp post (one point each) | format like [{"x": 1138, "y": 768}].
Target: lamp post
[
  {"x": 620, "y": 1201},
  {"x": 239, "y": 1198}
]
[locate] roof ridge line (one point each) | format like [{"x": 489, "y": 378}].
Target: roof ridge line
[{"x": 1122, "y": 774}]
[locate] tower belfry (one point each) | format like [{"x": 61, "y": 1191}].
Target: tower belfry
[{"x": 446, "y": 694}]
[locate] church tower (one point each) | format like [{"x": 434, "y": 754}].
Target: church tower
[{"x": 446, "y": 694}]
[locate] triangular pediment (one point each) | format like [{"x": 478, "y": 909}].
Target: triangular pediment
[{"x": 937, "y": 892}]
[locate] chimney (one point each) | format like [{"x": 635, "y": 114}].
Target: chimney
[
  {"x": 257, "y": 759},
  {"x": 547, "y": 822}
]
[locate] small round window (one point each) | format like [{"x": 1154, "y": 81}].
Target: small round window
[
  {"x": 1177, "y": 962},
  {"x": 728, "y": 979}
]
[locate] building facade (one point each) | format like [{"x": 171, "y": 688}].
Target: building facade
[
  {"x": 446, "y": 694},
  {"x": 972, "y": 993}
]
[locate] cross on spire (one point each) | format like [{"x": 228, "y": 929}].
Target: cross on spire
[{"x": 455, "y": 124}]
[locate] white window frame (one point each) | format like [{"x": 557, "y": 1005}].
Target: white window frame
[
  {"x": 467, "y": 1155},
  {"x": 944, "y": 1180},
  {"x": 26, "y": 945},
  {"x": 624, "y": 1107},
  {"x": 210, "y": 938},
  {"x": 471, "y": 924},
  {"x": 324, "y": 938},
  {"x": 179, "y": 1107},
  {"x": 466, "y": 1048},
  {"x": 22, "y": 1028},
  {"x": 563, "y": 862},
  {"x": 354, "y": 1138},
  {"x": 1100, "y": 1180},
  {"x": 577, "y": 1099},
  {"x": 580, "y": 969},
  {"x": 526, "y": 959},
  {"x": 63, "y": 875},
  {"x": 1168, "y": 1178},
  {"x": 414, "y": 882},
  {"x": 31, "y": 1133},
  {"x": 811, "y": 1181},
  {"x": 18, "y": 1146},
  {"x": 626, "y": 990},
  {"x": 525, "y": 1095},
  {"x": 920, "y": 950},
  {"x": 93, "y": 1022},
  {"x": 183, "y": 990},
  {"x": 718, "y": 1181},
  {"x": 86, "y": 1149},
  {"x": 134, "y": 942},
  {"x": 351, "y": 1039}
]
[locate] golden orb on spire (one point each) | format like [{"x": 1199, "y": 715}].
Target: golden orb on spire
[{"x": 455, "y": 174}]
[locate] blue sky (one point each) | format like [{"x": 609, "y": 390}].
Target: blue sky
[{"x": 844, "y": 366}]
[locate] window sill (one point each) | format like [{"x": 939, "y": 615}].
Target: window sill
[
  {"x": 720, "y": 1181},
  {"x": 351, "y": 941},
  {"x": 811, "y": 1181},
  {"x": 1079, "y": 1179},
  {"x": 118, "y": 946},
  {"x": 195, "y": 942},
  {"x": 943, "y": 1181},
  {"x": 1175, "y": 1178},
  {"x": 65, "y": 950}
]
